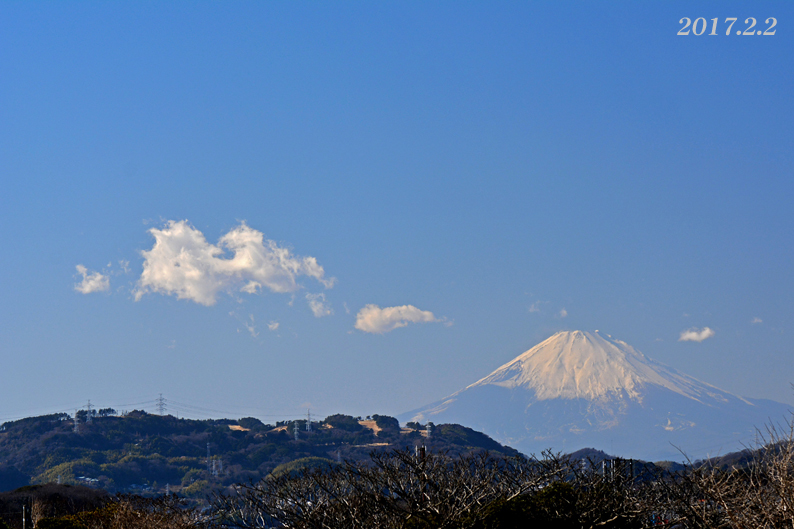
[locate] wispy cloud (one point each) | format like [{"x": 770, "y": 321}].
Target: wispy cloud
[
  {"x": 125, "y": 267},
  {"x": 376, "y": 320},
  {"x": 273, "y": 325},
  {"x": 184, "y": 264},
  {"x": 535, "y": 307},
  {"x": 251, "y": 326},
  {"x": 695, "y": 335},
  {"x": 92, "y": 281},
  {"x": 756, "y": 320},
  {"x": 318, "y": 305},
  {"x": 563, "y": 313}
]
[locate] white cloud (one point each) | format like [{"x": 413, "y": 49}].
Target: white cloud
[
  {"x": 563, "y": 313},
  {"x": 318, "y": 305},
  {"x": 251, "y": 326},
  {"x": 251, "y": 287},
  {"x": 92, "y": 281},
  {"x": 535, "y": 307},
  {"x": 374, "y": 319},
  {"x": 757, "y": 320},
  {"x": 695, "y": 335},
  {"x": 184, "y": 264},
  {"x": 273, "y": 325}
]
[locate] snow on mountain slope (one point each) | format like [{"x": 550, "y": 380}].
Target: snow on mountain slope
[
  {"x": 576, "y": 364},
  {"x": 579, "y": 389}
]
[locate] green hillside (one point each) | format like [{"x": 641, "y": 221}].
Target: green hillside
[{"x": 144, "y": 453}]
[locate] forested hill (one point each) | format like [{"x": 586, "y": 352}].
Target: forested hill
[{"x": 144, "y": 453}]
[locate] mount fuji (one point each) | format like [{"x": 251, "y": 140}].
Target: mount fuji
[{"x": 581, "y": 389}]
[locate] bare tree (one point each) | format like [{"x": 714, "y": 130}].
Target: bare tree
[
  {"x": 134, "y": 512},
  {"x": 396, "y": 489}
]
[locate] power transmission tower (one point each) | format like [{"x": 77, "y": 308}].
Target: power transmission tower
[
  {"x": 76, "y": 423},
  {"x": 88, "y": 411},
  {"x": 308, "y": 420},
  {"x": 161, "y": 405},
  {"x": 295, "y": 429},
  {"x": 208, "y": 458}
]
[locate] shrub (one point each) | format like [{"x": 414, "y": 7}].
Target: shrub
[
  {"x": 384, "y": 422},
  {"x": 57, "y": 523},
  {"x": 344, "y": 422}
]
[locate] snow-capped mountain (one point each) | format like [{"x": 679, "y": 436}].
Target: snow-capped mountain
[{"x": 580, "y": 389}]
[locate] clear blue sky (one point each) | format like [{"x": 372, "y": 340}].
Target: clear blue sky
[{"x": 501, "y": 171}]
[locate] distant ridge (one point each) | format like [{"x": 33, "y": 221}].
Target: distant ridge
[
  {"x": 143, "y": 453},
  {"x": 578, "y": 389}
]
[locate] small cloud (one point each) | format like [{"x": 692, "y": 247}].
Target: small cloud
[
  {"x": 92, "y": 281},
  {"x": 251, "y": 326},
  {"x": 347, "y": 310},
  {"x": 756, "y": 320},
  {"x": 125, "y": 267},
  {"x": 535, "y": 307},
  {"x": 251, "y": 287},
  {"x": 376, "y": 320},
  {"x": 696, "y": 335},
  {"x": 273, "y": 325},
  {"x": 318, "y": 305},
  {"x": 563, "y": 313},
  {"x": 172, "y": 345}
]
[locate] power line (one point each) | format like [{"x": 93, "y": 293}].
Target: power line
[
  {"x": 161, "y": 405},
  {"x": 251, "y": 411}
]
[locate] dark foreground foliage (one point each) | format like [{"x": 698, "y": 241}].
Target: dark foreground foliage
[
  {"x": 131, "y": 512},
  {"x": 406, "y": 490},
  {"x": 402, "y": 489}
]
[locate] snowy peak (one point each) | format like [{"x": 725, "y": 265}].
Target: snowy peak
[
  {"x": 579, "y": 389},
  {"x": 592, "y": 366}
]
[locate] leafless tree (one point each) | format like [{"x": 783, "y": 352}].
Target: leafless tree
[
  {"x": 396, "y": 489},
  {"x": 135, "y": 512}
]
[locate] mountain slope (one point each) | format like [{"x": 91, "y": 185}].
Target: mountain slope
[
  {"x": 579, "y": 389},
  {"x": 143, "y": 452}
]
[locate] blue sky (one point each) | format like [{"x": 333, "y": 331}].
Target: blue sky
[{"x": 469, "y": 178}]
